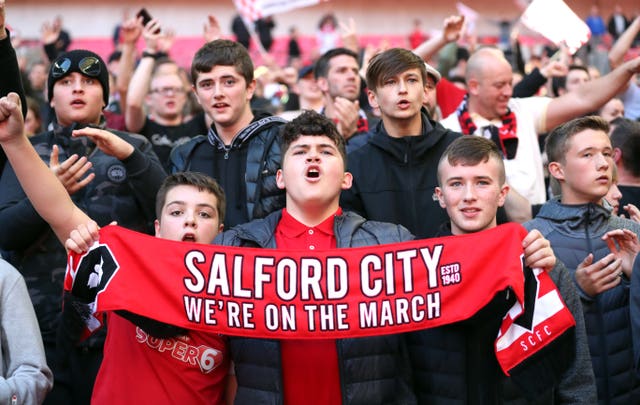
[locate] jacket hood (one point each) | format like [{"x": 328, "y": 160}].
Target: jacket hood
[{"x": 577, "y": 216}]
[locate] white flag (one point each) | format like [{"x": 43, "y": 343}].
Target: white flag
[
  {"x": 470, "y": 16},
  {"x": 554, "y": 20},
  {"x": 251, "y": 10}
]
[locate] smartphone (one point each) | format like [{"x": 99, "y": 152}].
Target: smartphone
[{"x": 146, "y": 17}]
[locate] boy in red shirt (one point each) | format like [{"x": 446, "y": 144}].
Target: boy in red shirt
[{"x": 188, "y": 208}]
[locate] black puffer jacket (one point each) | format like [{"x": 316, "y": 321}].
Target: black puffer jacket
[
  {"x": 457, "y": 364},
  {"x": 122, "y": 191},
  {"x": 575, "y": 231},
  {"x": 373, "y": 370},
  {"x": 394, "y": 179},
  {"x": 255, "y": 151}
]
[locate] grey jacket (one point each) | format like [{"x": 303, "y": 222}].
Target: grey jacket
[
  {"x": 23, "y": 368},
  {"x": 575, "y": 231}
]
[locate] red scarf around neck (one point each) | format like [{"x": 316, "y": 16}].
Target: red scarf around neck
[{"x": 505, "y": 137}]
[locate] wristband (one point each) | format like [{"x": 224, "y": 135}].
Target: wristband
[{"x": 154, "y": 56}]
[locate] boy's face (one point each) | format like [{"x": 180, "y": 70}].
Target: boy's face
[
  {"x": 313, "y": 173},
  {"x": 167, "y": 96},
  {"x": 585, "y": 176},
  {"x": 471, "y": 195},
  {"x": 189, "y": 215},
  {"x": 400, "y": 96},
  {"x": 343, "y": 78},
  {"x": 77, "y": 98},
  {"x": 224, "y": 95}
]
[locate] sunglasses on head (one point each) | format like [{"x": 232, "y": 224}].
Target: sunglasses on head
[{"x": 89, "y": 66}]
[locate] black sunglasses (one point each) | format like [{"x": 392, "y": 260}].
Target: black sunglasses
[{"x": 89, "y": 66}]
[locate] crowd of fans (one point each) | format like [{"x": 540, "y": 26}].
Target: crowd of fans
[{"x": 111, "y": 131}]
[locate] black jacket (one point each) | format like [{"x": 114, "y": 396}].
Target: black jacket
[
  {"x": 246, "y": 169},
  {"x": 456, "y": 364},
  {"x": 11, "y": 80},
  {"x": 394, "y": 179},
  {"x": 373, "y": 370},
  {"x": 122, "y": 191}
]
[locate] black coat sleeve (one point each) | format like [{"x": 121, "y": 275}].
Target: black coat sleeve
[
  {"x": 11, "y": 80},
  {"x": 145, "y": 175},
  {"x": 530, "y": 84}
]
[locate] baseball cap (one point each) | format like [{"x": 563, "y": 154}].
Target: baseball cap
[
  {"x": 433, "y": 72},
  {"x": 305, "y": 70}
]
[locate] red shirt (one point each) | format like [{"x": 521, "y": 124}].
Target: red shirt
[
  {"x": 140, "y": 369},
  {"x": 310, "y": 370},
  {"x": 448, "y": 96}
]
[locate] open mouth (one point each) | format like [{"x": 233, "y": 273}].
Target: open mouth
[
  {"x": 313, "y": 173},
  {"x": 189, "y": 237},
  {"x": 78, "y": 102}
]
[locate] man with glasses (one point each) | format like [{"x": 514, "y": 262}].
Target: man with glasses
[
  {"x": 109, "y": 184},
  {"x": 156, "y": 99}
]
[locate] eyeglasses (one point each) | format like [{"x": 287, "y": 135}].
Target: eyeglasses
[
  {"x": 89, "y": 66},
  {"x": 167, "y": 91}
]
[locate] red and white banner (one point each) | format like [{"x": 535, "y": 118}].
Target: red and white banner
[
  {"x": 554, "y": 20},
  {"x": 252, "y": 10},
  {"x": 341, "y": 293}
]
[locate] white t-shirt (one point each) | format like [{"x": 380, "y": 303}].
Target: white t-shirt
[
  {"x": 524, "y": 172},
  {"x": 631, "y": 100}
]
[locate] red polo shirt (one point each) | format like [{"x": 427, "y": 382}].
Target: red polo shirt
[{"x": 310, "y": 370}]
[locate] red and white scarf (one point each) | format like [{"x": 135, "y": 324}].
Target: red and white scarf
[
  {"x": 506, "y": 137},
  {"x": 341, "y": 293}
]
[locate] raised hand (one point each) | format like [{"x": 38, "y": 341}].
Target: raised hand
[
  {"x": 166, "y": 40},
  {"x": 452, "y": 28},
  {"x": 71, "y": 172},
  {"x": 624, "y": 245},
  {"x": 633, "y": 212},
  {"x": 109, "y": 143},
  {"x": 597, "y": 277},
  {"x": 131, "y": 30},
  {"x": 11, "y": 120},
  {"x": 349, "y": 35},
  {"x": 49, "y": 33},
  {"x": 212, "y": 29},
  {"x": 347, "y": 113},
  {"x": 151, "y": 34}
]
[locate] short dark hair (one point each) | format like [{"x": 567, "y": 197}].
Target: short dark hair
[
  {"x": 393, "y": 62},
  {"x": 321, "y": 68},
  {"x": 470, "y": 150},
  {"x": 626, "y": 137},
  {"x": 311, "y": 123},
  {"x": 560, "y": 82},
  {"x": 195, "y": 179},
  {"x": 556, "y": 144},
  {"x": 222, "y": 52}
]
